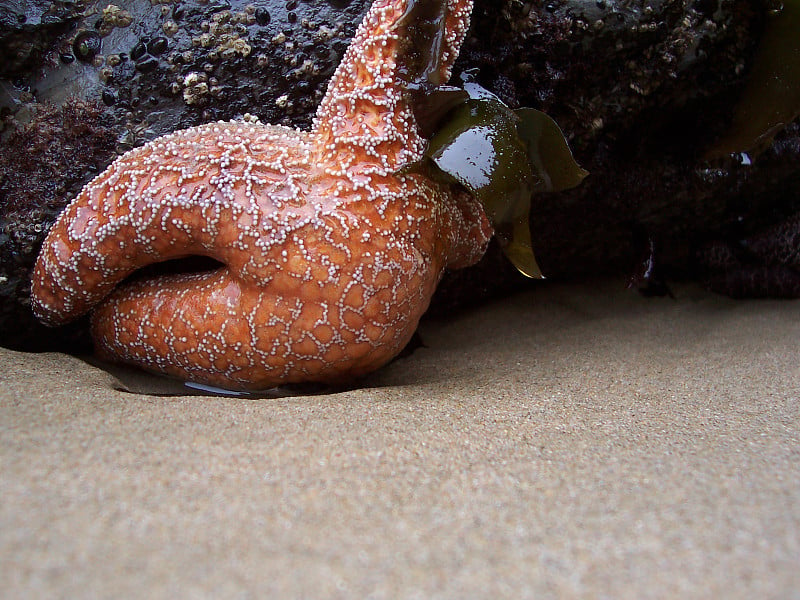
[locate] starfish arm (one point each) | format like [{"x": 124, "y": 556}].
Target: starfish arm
[
  {"x": 469, "y": 231},
  {"x": 366, "y": 116},
  {"x": 210, "y": 190}
]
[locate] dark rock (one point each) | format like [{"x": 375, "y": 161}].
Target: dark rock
[
  {"x": 43, "y": 163},
  {"x": 642, "y": 89},
  {"x": 28, "y": 29}
]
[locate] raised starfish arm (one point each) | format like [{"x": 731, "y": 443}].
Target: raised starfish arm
[
  {"x": 366, "y": 115},
  {"x": 217, "y": 190}
]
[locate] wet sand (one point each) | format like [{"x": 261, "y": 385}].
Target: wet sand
[{"x": 574, "y": 441}]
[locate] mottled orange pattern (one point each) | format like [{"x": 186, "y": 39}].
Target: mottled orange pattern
[{"x": 330, "y": 257}]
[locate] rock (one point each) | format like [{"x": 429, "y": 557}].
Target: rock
[
  {"x": 28, "y": 29},
  {"x": 643, "y": 90},
  {"x": 44, "y": 163}
]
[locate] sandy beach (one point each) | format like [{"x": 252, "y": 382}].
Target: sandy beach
[{"x": 573, "y": 441}]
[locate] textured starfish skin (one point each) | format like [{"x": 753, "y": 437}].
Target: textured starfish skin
[{"x": 330, "y": 257}]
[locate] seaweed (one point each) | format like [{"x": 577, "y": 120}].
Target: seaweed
[{"x": 503, "y": 157}]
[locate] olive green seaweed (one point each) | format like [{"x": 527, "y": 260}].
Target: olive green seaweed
[
  {"x": 548, "y": 151},
  {"x": 503, "y": 157}
]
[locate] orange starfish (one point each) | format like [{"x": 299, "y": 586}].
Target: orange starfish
[{"x": 330, "y": 256}]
